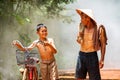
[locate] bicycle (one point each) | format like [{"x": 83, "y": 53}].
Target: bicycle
[{"x": 30, "y": 71}]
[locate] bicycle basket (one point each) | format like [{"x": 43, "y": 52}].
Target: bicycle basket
[{"x": 26, "y": 57}]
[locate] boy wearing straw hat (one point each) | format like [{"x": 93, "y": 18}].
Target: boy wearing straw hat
[{"x": 91, "y": 41}]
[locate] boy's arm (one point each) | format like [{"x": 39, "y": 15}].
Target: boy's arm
[
  {"x": 103, "y": 46},
  {"x": 51, "y": 44},
  {"x": 21, "y": 47},
  {"x": 31, "y": 46},
  {"x": 18, "y": 45}
]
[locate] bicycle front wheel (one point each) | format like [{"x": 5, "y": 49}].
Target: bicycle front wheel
[
  {"x": 25, "y": 74},
  {"x": 33, "y": 74}
]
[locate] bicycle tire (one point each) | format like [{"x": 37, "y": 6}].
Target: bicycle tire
[
  {"x": 33, "y": 74},
  {"x": 25, "y": 74}
]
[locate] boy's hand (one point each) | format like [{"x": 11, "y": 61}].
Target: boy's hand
[
  {"x": 14, "y": 42},
  {"x": 47, "y": 43},
  {"x": 18, "y": 45}
]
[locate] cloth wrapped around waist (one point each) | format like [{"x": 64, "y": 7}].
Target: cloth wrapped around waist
[{"x": 48, "y": 61}]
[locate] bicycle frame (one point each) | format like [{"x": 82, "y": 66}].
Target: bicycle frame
[{"x": 30, "y": 71}]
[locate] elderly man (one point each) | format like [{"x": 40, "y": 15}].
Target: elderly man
[{"x": 91, "y": 40}]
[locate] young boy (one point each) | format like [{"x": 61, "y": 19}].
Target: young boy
[{"x": 46, "y": 48}]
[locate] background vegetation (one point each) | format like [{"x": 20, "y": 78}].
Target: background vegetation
[
  {"x": 16, "y": 19},
  {"x": 14, "y": 13}
]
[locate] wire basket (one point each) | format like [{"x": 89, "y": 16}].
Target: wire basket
[{"x": 26, "y": 57}]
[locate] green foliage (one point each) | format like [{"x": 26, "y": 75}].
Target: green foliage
[
  {"x": 21, "y": 11},
  {"x": 22, "y": 19},
  {"x": 20, "y": 8},
  {"x": 24, "y": 38}
]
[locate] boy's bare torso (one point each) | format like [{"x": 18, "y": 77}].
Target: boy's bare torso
[{"x": 45, "y": 51}]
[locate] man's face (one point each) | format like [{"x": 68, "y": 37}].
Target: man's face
[
  {"x": 42, "y": 32},
  {"x": 85, "y": 19}
]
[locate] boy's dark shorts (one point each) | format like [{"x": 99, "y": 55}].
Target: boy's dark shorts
[{"x": 88, "y": 62}]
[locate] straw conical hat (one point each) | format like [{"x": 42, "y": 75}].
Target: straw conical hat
[{"x": 87, "y": 12}]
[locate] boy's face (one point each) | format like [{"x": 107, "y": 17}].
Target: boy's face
[{"x": 42, "y": 32}]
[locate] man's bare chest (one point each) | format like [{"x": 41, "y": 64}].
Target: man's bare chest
[{"x": 88, "y": 35}]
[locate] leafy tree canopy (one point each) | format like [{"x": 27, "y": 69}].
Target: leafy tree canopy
[{"x": 19, "y": 9}]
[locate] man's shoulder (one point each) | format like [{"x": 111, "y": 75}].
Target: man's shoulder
[
  {"x": 101, "y": 28},
  {"x": 102, "y": 33}
]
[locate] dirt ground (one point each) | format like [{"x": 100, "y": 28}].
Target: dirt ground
[{"x": 108, "y": 74}]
